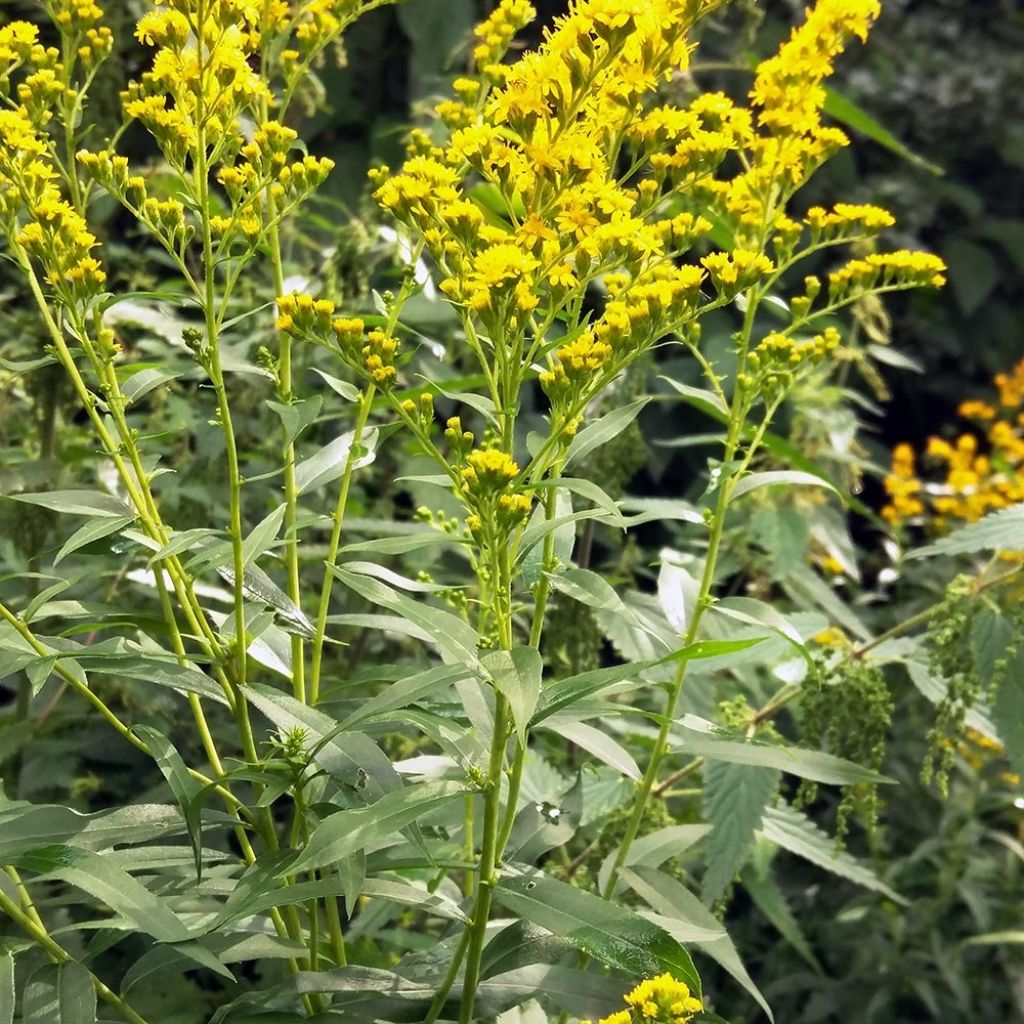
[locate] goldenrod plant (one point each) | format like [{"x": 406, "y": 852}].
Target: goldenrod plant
[{"x": 385, "y": 837}]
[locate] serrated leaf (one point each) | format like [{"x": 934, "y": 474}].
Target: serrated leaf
[
  {"x": 613, "y": 935},
  {"x": 59, "y": 994},
  {"x": 346, "y": 832},
  {"x": 517, "y": 674},
  {"x": 735, "y": 798},
  {"x": 78, "y": 503},
  {"x": 92, "y": 531},
  {"x": 998, "y": 531},
  {"x": 795, "y": 832}
]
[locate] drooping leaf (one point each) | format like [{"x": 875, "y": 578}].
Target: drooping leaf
[
  {"x": 672, "y": 901},
  {"x": 79, "y": 503},
  {"x": 102, "y": 879},
  {"x": 189, "y": 792},
  {"x": 454, "y": 637},
  {"x": 59, "y": 994},
  {"x": 780, "y": 478},
  {"x": 702, "y": 738},
  {"x": 95, "y": 530},
  {"x": 603, "y": 430},
  {"x": 735, "y": 798},
  {"x": 612, "y": 934},
  {"x": 1008, "y": 712},
  {"x": 601, "y": 745},
  {"x": 771, "y": 901}
]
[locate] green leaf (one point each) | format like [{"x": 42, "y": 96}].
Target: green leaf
[
  {"x": 595, "y": 742},
  {"x": 264, "y": 533},
  {"x": 588, "y": 588},
  {"x": 93, "y": 531},
  {"x": 352, "y": 758},
  {"x": 771, "y": 901},
  {"x": 735, "y": 798},
  {"x": 6, "y": 988},
  {"x": 59, "y": 994},
  {"x": 189, "y": 792},
  {"x": 297, "y": 416},
  {"x": 342, "y": 387},
  {"x": 846, "y": 111},
  {"x": 795, "y": 832},
  {"x": 102, "y": 879},
  {"x": 25, "y": 826},
  {"x": 79, "y": 503},
  {"x": 151, "y": 668},
  {"x": 405, "y": 692},
  {"x": 706, "y": 401},
  {"x": 259, "y": 588},
  {"x": 673, "y": 902},
  {"x": 779, "y": 478},
  {"x": 603, "y": 430},
  {"x": 517, "y": 674},
  {"x": 330, "y": 462},
  {"x": 998, "y": 531},
  {"x": 559, "y": 694},
  {"x": 346, "y": 832},
  {"x": 613, "y": 935},
  {"x": 1008, "y": 938},
  {"x": 454, "y": 637},
  {"x": 1008, "y": 712},
  {"x": 700, "y": 737},
  {"x": 144, "y": 381}
]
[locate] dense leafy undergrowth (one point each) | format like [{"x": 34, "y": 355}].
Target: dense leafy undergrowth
[{"x": 527, "y": 710}]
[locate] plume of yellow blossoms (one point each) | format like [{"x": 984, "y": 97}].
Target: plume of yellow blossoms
[
  {"x": 982, "y": 471},
  {"x": 548, "y": 134},
  {"x": 46, "y": 231},
  {"x": 661, "y": 1000}
]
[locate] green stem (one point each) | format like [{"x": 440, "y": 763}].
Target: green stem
[
  {"x": 362, "y": 416},
  {"x": 489, "y": 854}
]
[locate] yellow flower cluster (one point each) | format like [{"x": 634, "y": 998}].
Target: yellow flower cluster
[
  {"x": 902, "y": 487},
  {"x": 775, "y": 360},
  {"x": 847, "y": 220},
  {"x": 661, "y": 1000},
  {"x": 486, "y": 481},
  {"x": 886, "y": 271},
  {"x": 982, "y": 471},
  {"x": 33, "y": 212}
]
